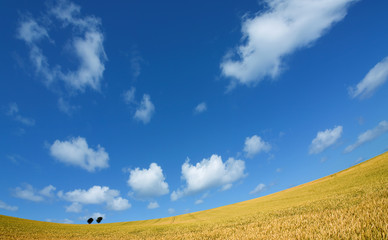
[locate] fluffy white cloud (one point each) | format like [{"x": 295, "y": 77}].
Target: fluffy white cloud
[
  {"x": 376, "y": 77},
  {"x": 95, "y": 195},
  {"x": 209, "y": 173},
  {"x": 368, "y": 135},
  {"x": 118, "y": 204},
  {"x": 7, "y": 207},
  {"x": 286, "y": 26},
  {"x": 86, "y": 44},
  {"x": 148, "y": 183},
  {"x": 28, "y": 192},
  {"x": 259, "y": 188},
  {"x": 91, "y": 56},
  {"x": 77, "y": 152},
  {"x": 74, "y": 207},
  {"x": 254, "y": 145},
  {"x": 145, "y": 110},
  {"x": 325, "y": 139},
  {"x": 13, "y": 111},
  {"x": 153, "y": 205},
  {"x": 200, "y": 108}
]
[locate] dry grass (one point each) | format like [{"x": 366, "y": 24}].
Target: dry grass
[{"x": 352, "y": 204}]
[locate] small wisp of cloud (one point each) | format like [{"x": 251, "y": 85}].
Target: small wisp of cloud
[
  {"x": 368, "y": 135},
  {"x": 325, "y": 139},
  {"x": 200, "y": 108},
  {"x": 258, "y": 189},
  {"x": 13, "y": 111},
  {"x": 375, "y": 78},
  {"x": 7, "y": 207}
]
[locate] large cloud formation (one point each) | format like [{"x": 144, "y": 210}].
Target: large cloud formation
[
  {"x": 285, "y": 26},
  {"x": 86, "y": 44}
]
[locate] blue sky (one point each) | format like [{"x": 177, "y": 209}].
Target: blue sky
[{"x": 147, "y": 109}]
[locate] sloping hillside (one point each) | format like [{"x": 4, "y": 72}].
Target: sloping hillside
[{"x": 349, "y": 204}]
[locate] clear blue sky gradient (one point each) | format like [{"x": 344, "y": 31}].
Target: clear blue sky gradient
[{"x": 172, "y": 50}]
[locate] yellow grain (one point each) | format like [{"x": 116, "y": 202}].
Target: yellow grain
[{"x": 351, "y": 204}]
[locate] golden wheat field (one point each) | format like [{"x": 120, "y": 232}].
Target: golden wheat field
[{"x": 351, "y": 204}]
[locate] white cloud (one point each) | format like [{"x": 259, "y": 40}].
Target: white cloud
[
  {"x": 226, "y": 187},
  {"x": 360, "y": 159},
  {"x": 95, "y": 195},
  {"x": 375, "y": 78},
  {"x": 7, "y": 207},
  {"x": 171, "y": 210},
  {"x": 74, "y": 207},
  {"x": 31, "y": 194},
  {"x": 325, "y": 139},
  {"x": 48, "y": 191},
  {"x": 209, "y": 173},
  {"x": 30, "y": 31},
  {"x": 65, "y": 107},
  {"x": 129, "y": 96},
  {"x": 86, "y": 44},
  {"x": 136, "y": 61},
  {"x": 148, "y": 183},
  {"x": 368, "y": 135},
  {"x": 118, "y": 204},
  {"x": 259, "y": 188},
  {"x": 269, "y": 36},
  {"x": 202, "y": 107},
  {"x": 146, "y": 109},
  {"x": 77, "y": 152},
  {"x": 153, "y": 205},
  {"x": 199, "y": 201},
  {"x": 67, "y": 221},
  {"x": 91, "y": 55},
  {"x": 13, "y": 111},
  {"x": 254, "y": 145}
]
